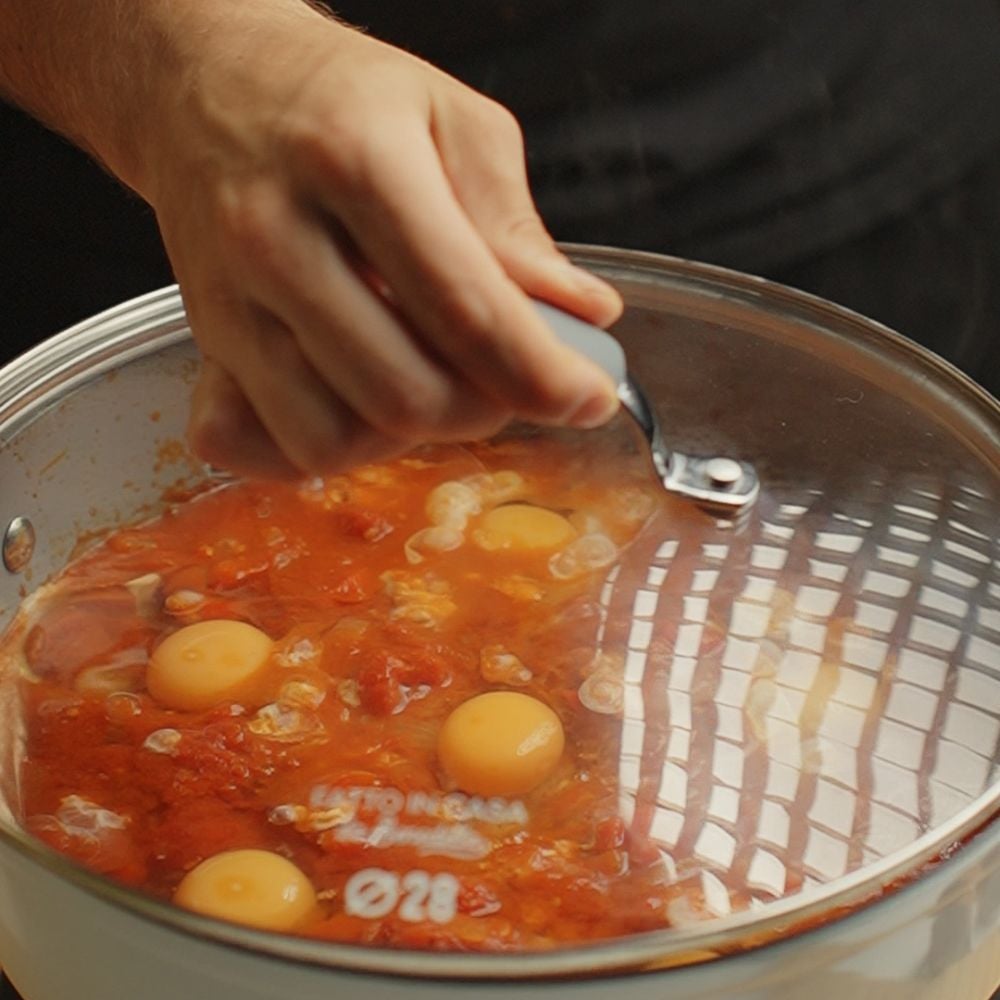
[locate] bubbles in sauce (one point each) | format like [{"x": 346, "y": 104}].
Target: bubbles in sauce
[
  {"x": 487, "y": 699},
  {"x": 351, "y": 691}
]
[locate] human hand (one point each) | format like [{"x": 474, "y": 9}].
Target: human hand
[{"x": 355, "y": 242}]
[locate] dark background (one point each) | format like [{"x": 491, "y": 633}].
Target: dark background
[
  {"x": 873, "y": 181},
  {"x": 73, "y": 241}
]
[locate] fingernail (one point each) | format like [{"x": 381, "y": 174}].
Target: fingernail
[{"x": 596, "y": 411}]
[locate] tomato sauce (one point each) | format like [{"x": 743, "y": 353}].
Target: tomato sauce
[{"x": 389, "y": 603}]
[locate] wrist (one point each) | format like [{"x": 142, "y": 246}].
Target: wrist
[{"x": 219, "y": 71}]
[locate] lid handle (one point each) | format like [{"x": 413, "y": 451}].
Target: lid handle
[{"x": 715, "y": 482}]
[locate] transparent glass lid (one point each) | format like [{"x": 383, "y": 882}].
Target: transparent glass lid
[
  {"x": 703, "y": 726},
  {"x": 812, "y": 690}
]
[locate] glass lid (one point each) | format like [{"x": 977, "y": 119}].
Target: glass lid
[
  {"x": 809, "y": 691},
  {"x": 511, "y": 696}
]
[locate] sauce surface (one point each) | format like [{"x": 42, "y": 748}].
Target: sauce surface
[
  {"x": 419, "y": 714},
  {"x": 508, "y": 697}
]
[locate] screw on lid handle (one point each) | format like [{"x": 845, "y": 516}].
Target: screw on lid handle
[{"x": 715, "y": 482}]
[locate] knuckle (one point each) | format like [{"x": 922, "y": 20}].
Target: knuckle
[
  {"x": 251, "y": 220},
  {"x": 330, "y": 443},
  {"x": 341, "y": 154},
  {"x": 327, "y": 151},
  {"x": 504, "y": 125},
  {"x": 472, "y": 316}
]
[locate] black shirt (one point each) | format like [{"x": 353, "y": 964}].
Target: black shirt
[
  {"x": 753, "y": 133},
  {"x": 748, "y": 132}
]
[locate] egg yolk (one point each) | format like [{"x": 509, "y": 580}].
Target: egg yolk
[
  {"x": 521, "y": 526},
  {"x": 252, "y": 887},
  {"x": 203, "y": 664},
  {"x": 500, "y": 743}
]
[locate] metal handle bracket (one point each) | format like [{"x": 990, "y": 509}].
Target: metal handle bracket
[{"x": 720, "y": 484}]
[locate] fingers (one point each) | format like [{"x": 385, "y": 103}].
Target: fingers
[
  {"x": 371, "y": 360},
  {"x": 224, "y": 431},
  {"x": 261, "y": 409},
  {"x": 451, "y": 287},
  {"x": 352, "y": 336},
  {"x": 483, "y": 157}
]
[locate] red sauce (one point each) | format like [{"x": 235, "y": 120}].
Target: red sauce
[{"x": 331, "y": 760}]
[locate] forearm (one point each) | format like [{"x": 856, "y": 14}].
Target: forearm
[{"x": 106, "y": 72}]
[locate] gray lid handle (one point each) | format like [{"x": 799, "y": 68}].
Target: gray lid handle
[{"x": 715, "y": 482}]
